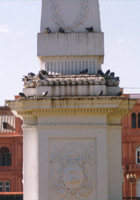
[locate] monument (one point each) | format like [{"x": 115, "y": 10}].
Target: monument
[{"x": 71, "y": 110}]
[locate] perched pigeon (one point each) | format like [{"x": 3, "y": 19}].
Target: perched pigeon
[
  {"x": 31, "y": 74},
  {"x": 84, "y": 71},
  {"x": 21, "y": 94},
  {"x": 90, "y": 29},
  {"x": 25, "y": 78},
  {"x": 61, "y": 30},
  {"x": 100, "y": 72},
  {"x": 44, "y": 94},
  {"x": 40, "y": 76},
  {"x": 48, "y": 30},
  {"x": 119, "y": 93},
  {"x": 101, "y": 93},
  {"x": 117, "y": 78},
  {"x": 44, "y": 72},
  {"x": 112, "y": 75},
  {"x": 107, "y": 72}
]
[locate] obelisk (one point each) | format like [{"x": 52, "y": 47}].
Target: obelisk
[
  {"x": 82, "y": 44},
  {"x": 71, "y": 110}
]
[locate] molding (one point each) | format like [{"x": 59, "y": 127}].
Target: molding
[
  {"x": 34, "y": 108},
  {"x": 97, "y": 58},
  {"x": 77, "y": 124},
  {"x": 69, "y": 58}
]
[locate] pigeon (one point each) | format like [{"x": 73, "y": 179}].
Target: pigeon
[
  {"x": 40, "y": 76},
  {"x": 44, "y": 94},
  {"x": 112, "y": 75},
  {"x": 48, "y": 30},
  {"x": 119, "y": 93},
  {"x": 21, "y": 94},
  {"x": 117, "y": 78},
  {"x": 101, "y": 93},
  {"x": 25, "y": 78},
  {"x": 44, "y": 72},
  {"x": 100, "y": 72},
  {"x": 84, "y": 71},
  {"x": 90, "y": 29},
  {"x": 107, "y": 72},
  {"x": 31, "y": 74},
  {"x": 61, "y": 30}
]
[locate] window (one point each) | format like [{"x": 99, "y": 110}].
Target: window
[
  {"x": 5, "y": 156},
  {"x": 138, "y": 120},
  {"x": 133, "y": 120},
  {"x": 138, "y": 155},
  {"x": 5, "y": 125},
  {"x": 5, "y": 186},
  {"x": 1, "y": 186}
]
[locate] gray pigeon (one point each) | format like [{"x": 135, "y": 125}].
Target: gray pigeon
[
  {"x": 21, "y": 94},
  {"x": 90, "y": 29},
  {"x": 44, "y": 94},
  {"x": 48, "y": 30}
]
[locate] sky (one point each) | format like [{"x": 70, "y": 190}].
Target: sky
[{"x": 20, "y": 23}]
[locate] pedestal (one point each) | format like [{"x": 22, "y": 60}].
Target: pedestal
[{"x": 72, "y": 147}]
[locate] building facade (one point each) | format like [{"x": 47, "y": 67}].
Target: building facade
[
  {"x": 10, "y": 152},
  {"x": 131, "y": 151}
]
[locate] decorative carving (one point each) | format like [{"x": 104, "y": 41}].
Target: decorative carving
[
  {"x": 70, "y": 169},
  {"x": 59, "y": 19},
  {"x": 50, "y": 81},
  {"x": 44, "y": 79}
]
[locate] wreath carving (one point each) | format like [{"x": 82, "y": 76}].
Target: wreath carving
[{"x": 73, "y": 181}]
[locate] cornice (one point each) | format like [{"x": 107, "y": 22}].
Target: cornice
[{"x": 89, "y": 105}]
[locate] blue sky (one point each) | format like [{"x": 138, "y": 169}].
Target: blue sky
[{"x": 20, "y": 22}]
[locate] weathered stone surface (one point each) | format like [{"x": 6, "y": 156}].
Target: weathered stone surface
[
  {"x": 70, "y": 168},
  {"x": 72, "y": 16}
]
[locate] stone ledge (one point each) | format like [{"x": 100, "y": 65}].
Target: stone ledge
[
  {"x": 72, "y": 104},
  {"x": 70, "y": 44},
  {"x": 69, "y": 80}
]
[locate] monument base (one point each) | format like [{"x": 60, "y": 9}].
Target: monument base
[{"x": 74, "y": 145}]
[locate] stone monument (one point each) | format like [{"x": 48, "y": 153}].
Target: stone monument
[{"x": 71, "y": 110}]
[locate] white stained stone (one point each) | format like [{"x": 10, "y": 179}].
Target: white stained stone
[{"x": 73, "y": 16}]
